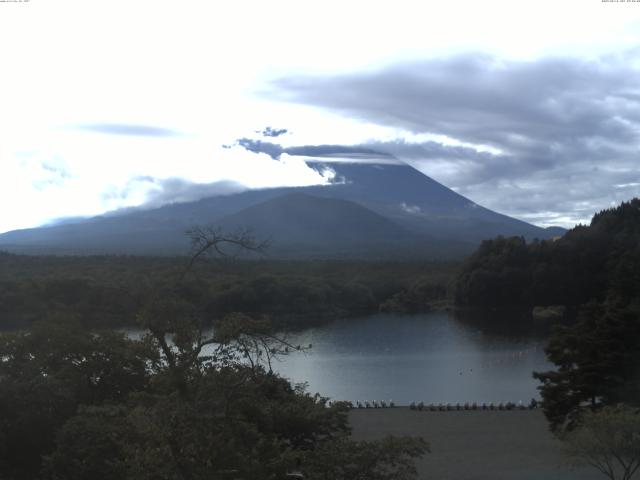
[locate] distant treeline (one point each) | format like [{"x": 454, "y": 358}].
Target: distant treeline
[
  {"x": 599, "y": 262},
  {"x": 109, "y": 291}
]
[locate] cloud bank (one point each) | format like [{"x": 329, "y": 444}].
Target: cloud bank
[
  {"x": 354, "y": 152},
  {"x": 552, "y": 140}
]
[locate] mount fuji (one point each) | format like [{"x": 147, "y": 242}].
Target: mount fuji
[{"x": 367, "y": 211}]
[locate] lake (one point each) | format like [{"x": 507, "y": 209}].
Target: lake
[{"x": 433, "y": 357}]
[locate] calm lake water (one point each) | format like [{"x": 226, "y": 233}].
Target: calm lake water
[{"x": 432, "y": 358}]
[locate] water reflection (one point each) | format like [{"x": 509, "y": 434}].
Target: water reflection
[
  {"x": 504, "y": 322},
  {"x": 433, "y": 358}
]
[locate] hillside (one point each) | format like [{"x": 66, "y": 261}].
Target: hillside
[
  {"x": 302, "y": 222},
  {"x": 596, "y": 262},
  {"x": 415, "y": 200}
]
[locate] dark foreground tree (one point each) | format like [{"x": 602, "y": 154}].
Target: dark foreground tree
[
  {"x": 47, "y": 372},
  {"x": 387, "y": 459},
  {"x": 608, "y": 440},
  {"x": 597, "y": 359}
]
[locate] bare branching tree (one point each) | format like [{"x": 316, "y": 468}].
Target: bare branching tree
[
  {"x": 212, "y": 240},
  {"x": 178, "y": 328},
  {"x": 253, "y": 340}
]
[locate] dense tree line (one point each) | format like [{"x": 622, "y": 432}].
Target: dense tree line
[
  {"x": 108, "y": 291},
  {"x": 589, "y": 263}
]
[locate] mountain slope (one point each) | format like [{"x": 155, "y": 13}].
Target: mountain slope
[
  {"x": 298, "y": 223},
  {"x": 417, "y": 206},
  {"x": 415, "y": 200},
  {"x": 300, "y": 217}
]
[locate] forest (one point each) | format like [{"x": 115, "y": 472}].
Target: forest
[
  {"x": 108, "y": 291},
  {"x": 599, "y": 262}
]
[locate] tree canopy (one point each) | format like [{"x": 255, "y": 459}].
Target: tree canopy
[
  {"x": 598, "y": 363},
  {"x": 109, "y": 291},
  {"x": 596, "y": 262},
  {"x": 183, "y": 402}
]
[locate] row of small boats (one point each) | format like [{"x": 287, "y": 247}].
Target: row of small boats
[{"x": 445, "y": 407}]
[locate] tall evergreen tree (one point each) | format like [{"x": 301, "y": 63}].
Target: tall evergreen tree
[{"x": 598, "y": 361}]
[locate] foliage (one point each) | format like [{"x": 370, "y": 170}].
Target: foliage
[
  {"x": 390, "y": 458},
  {"x": 596, "y": 262},
  {"x": 423, "y": 294},
  {"x": 47, "y": 372},
  {"x": 211, "y": 432},
  {"x": 598, "y": 362},
  {"x": 608, "y": 440},
  {"x": 209, "y": 416},
  {"x": 183, "y": 403},
  {"x": 110, "y": 291}
]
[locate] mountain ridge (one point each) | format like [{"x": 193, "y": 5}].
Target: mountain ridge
[{"x": 419, "y": 208}]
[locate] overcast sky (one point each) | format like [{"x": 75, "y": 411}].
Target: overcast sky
[{"x": 528, "y": 108}]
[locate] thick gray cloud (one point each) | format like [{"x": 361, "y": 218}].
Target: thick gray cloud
[
  {"x": 135, "y": 130},
  {"x": 567, "y": 130},
  {"x": 323, "y": 151},
  {"x": 258, "y": 146}
]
